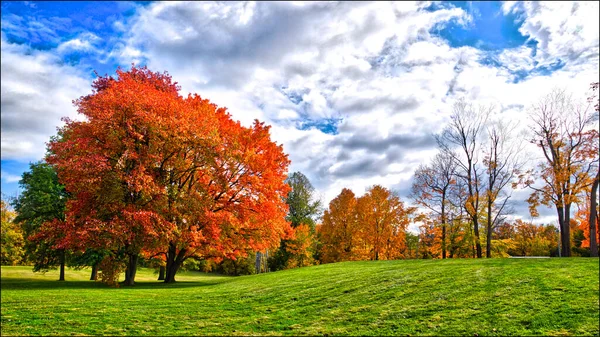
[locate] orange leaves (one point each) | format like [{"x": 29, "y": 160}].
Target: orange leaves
[
  {"x": 371, "y": 227},
  {"x": 299, "y": 246},
  {"x": 149, "y": 168}
]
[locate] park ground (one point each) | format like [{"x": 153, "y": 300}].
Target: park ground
[{"x": 410, "y": 297}]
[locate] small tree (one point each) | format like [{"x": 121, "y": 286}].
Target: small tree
[
  {"x": 304, "y": 209},
  {"x": 461, "y": 139},
  {"x": 42, "y": 204},
  {"x": 12, "y": 237}
]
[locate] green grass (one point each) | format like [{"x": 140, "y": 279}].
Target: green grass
[{"x": 450, "y": 297}]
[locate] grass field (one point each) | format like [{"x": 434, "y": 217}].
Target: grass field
[{"x": 414, "y": 297}]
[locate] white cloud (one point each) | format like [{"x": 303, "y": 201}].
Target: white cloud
[
  {"x": 564, "y": 30},
  {"x": 37, "y": 91},
  {"x": 374, "y": 67},
  {"x": 10, "y": 178},
  {"x": 83, "y": 43}
]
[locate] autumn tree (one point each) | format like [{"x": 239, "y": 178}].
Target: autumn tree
[
  {"x": 152, "y": 172},
  {"x": 461, "y": 140},
  {"x": 12, "y": 237},
  {"x": 533, "y": 240},
  {"x": 593, "y": 200},
  {"x": 501, "y": 164},
  {"x": 339, "y": 232},
  {"x": 300, "y": 247},
  {"x": 382, "y": 218},
  {"x": 560, "y": 128},
  {"x": 431, "y": 186},
  {"x": 41, "y": 204}
]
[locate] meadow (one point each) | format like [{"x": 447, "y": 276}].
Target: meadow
[{"x": 410, "y": 297}]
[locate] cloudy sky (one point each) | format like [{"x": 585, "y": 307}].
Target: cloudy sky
[{"x": 354, "y": 91}]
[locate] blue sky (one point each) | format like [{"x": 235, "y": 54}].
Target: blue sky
[{"x": 354, "y": 91}]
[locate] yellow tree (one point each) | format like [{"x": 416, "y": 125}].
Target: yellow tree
[
  {"x": 339, "y": 231},
  {"x": 12, "y": 237},
  {"x": 383, "y": 220}
]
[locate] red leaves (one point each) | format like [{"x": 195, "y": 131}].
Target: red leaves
[{"x": 149, "y": 167}]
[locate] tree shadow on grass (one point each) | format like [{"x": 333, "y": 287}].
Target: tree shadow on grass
[{"x": 35, "y": 284}]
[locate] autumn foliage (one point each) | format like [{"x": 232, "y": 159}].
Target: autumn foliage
[
  {"x": 372, "y": 227},
  {"x": 151, "y": 172}
]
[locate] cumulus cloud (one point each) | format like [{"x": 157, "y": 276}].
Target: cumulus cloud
[
  {"x": 9, "y": 177},
  {"x": 296, "y": 66},
  {"x": 374, "y": 67},
  {"x": 37, "y": 90}
]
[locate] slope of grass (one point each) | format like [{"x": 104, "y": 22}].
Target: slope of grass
[{"x": 450, "y": 297}]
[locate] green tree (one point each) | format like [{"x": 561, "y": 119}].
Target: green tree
[
  {"x": 304, "y": 208},
  {"x": 42, "y": 201}
]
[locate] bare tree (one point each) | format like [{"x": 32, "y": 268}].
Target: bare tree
[
  {"x": 502, "y": 164},
  {"x": 461, "y": 139},
  {"x": 431, "y": 186}
]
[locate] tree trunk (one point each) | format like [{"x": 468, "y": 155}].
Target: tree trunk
[
  {"x": 594, "y": 217},
  {"x": 477, "y": 241},
  {"x": 567, "y": 248},
  {"x": 174, "y": 261},
  {"x": 564, "y": 233},
  {"x": 94, "y": 276},
  {"x": 488, "y": 246},
  {"x": 62, "y": 265},
  {"x": 131, "y": 270},
  {"x": 443, "y": 228},
  {"x": 161, "y": 273}
]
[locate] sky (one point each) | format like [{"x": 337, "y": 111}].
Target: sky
[{"x": 355, "y": 91}]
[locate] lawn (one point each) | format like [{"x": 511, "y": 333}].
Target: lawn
[{"x": 413, "y": 297}]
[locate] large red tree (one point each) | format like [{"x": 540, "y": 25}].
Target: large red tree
[{"x": 153, "y": 172}]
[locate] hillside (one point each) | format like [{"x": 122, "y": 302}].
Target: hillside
[{"x": 412, "y": 297}]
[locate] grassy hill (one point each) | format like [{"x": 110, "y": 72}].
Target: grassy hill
[{"x": 416, "y": 297}]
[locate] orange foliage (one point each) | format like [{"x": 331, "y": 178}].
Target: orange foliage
[
  {"x": 372, "y": 227},
  {"x": 339, "y": 230},
  {"x": 299, "y": 246},
  {"x": 582, "y": 217},
  {"x": 150, "y": 170}
]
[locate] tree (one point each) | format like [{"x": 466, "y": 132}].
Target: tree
[
  {"x": 383, "y": 220},
  {"x": 299, "y": 246},
  {"x": 463, "y": 132},
  {"x": 42, "y": 205},
  {"x": 593, "y": 204},
  {"x": 593, "y": 223},
  {"x": 152, "y": 172},
  {"x": 501, "y": 166},
  {"x": 339, "y": 232},
  {"x": 560, "y": 130},
  {"x": 533, "y": 240},
  {"x": 12, "y": 237},
  {"x": 431, "y": 186},
  {"x": 304, "y": 209}
]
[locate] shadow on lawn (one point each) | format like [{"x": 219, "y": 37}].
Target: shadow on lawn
[{"x": 34, "y": 284}]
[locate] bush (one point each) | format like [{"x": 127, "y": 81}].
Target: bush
[{"x": 241, "y": 266}]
